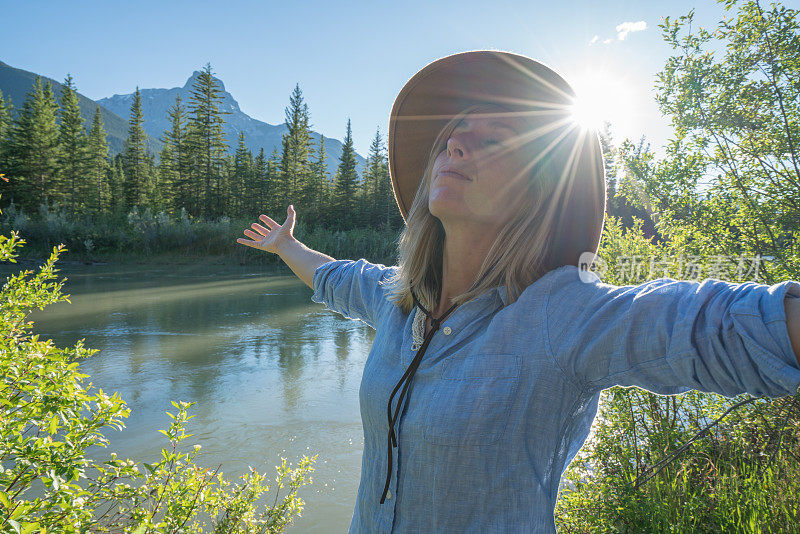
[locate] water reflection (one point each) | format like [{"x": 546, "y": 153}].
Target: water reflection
[{"x": 273, "y": 374}]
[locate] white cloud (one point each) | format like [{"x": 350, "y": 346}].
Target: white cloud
[
  {"x": 607, "y": 41},
  {"x": 594, "y": 39},
  {"x": 627, "y": 27}
]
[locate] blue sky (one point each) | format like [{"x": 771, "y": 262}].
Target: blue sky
[{"x": 350, "y": 58}]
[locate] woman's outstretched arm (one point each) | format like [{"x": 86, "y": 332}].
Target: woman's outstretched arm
[
  {"x": 792, "y": 305},
  {"x": 279, "y": 240},
  {"x": 668, "y": 335}
]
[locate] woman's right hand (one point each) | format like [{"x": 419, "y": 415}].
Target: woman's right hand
[{"x": 270, "y": 240}]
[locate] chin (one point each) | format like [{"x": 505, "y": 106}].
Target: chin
[{"x": 445, "y": 209}]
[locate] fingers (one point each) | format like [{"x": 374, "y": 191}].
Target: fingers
[
  {"x": 290, "y": 217},
  {"x": 254, "y": 236},
  {"x": 260, "y": 229},
  {"x": 243, "y": 241},
  {"x": 268, "y": 221}
]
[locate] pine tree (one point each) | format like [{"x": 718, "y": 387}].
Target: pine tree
[
  {"x": 33, "y": 150},
  {"x": 152, "y": 190},
  {"x": 97, "y": 163},
  {"x": 207, "y": 140},
  {"x": 166, "y": 178},
  {"x": 5, "y": 120},
  {"x": 296, "y": 151},
  {"x": 346, "y": 182},
  {"x": 5, "y": 130},
  {"x": 274, "y": 204},
  {"x": 260, "y": 186},
  {"x": 176, "y": 163},
  {"x": 241, "y": 180},
  {"x": 377, "y": 183},
  {"x": 116, "y": 182},
  {"x": 134, "y": 161},
  {"x": 73, "y": 153},
  {"x": 609, "y": 154},
  {"x": 320, "y": 182}
]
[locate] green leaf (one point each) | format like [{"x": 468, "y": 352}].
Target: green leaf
[{"x": 4, "y": 499}]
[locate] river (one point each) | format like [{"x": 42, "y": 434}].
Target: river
[{"x": 273, "y": 373}]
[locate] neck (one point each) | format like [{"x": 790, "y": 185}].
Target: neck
[{"x": 465, "y": 248}]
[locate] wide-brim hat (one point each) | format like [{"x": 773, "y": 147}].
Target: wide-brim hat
[{"x": 446, "y": 87}]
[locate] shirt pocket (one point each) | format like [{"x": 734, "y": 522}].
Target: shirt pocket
[{"x": 472, "y": 399}]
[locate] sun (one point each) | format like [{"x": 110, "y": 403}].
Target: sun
[{"x": 601, "y": 97}]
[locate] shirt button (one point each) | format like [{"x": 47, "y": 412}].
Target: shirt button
[
  {"x": 447, "y": 330},
  {"x": 389, "y": 494}
]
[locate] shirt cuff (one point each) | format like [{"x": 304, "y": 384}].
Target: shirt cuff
[{"x": 316, "y": 279}]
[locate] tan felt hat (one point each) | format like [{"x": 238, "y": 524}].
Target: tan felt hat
[{"x": 446, "y": 87}]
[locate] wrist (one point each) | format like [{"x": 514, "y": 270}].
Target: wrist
[{"x": 285, "y": 244}]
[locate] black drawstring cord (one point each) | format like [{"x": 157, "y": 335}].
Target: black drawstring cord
[{"x": 405, "y": 381}]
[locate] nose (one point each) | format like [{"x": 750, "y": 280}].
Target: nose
[{"x": 456, "y": 147}]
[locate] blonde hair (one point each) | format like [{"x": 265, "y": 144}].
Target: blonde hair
[{"x": 521, "y": 252}]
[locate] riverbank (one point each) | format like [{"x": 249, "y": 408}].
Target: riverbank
[
  {"x": 143, "y": 238},
  {"x": 68, "y": 259}
]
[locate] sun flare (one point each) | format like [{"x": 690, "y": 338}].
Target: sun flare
[{"x": 603, "y": 97}]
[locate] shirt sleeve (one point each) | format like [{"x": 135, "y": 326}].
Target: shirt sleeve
[
  {"x": 355, "y": 289},
  {"x": 668, "y": 336}
]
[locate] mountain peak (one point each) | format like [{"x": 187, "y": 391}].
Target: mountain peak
[{"x": 196, "y": 74}]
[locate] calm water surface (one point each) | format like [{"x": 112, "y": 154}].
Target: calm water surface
[{"x": 273, "y": 374}]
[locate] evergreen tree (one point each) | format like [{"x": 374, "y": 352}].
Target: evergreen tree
[
  {"x": 207, "y": 140},
  {"x": 240, "y": 178},
  {"x": 274, "y": 203},
  {"x": 165, "y": 177},
  {"x": 176, "y": 163},
  {"x": 226, "y": 187},
  {"x": 295, "y": 154},
  {"x": 152, "y": 190},
  {"x": 618, "y": 205},
  {"x": 73, "y": 152},
  {"x": 609, "y": 155},
  {"x": 346, "y": 182},
  {"x": 320, "y": 182},
  {"x": 33, "y": 150},
  {"x": 260, "y": 186},
  {"x": 5, "y": 131},
  {"x": 134, "y": 161},
  {"x": 5, "y": 120},
  {"x": 116, "y": 182},
  {"x": 97, "y": 163},
  {"x": 376, "y": 183}
]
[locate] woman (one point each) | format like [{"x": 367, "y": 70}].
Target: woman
[{"x": 503, "y": 196}]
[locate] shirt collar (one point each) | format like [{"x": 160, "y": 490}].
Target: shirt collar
[{"x": 501, "y": 292}]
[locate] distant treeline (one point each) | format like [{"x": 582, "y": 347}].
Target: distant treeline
[{"x": 47, "y": 157}]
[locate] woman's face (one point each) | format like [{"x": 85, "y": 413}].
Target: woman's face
[{"x": 479, "y": 176}]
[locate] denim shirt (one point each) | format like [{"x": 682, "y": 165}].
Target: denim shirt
[{"x": 506, "y": 393}]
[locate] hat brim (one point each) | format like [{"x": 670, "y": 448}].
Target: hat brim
[{"x": 446, "y": 87}]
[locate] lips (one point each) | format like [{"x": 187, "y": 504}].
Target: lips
[{"x": 453, "y": 173}]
